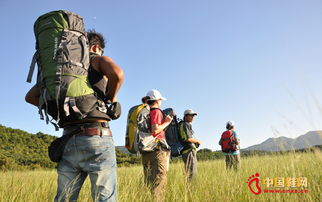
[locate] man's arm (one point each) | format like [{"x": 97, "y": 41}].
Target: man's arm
[
  {"x": 112, "y": 71},
  {"x": 32, "y": 96},
  {"x": 192, "y": 140}
]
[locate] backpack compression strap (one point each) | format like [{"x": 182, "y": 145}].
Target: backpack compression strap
[{"x": 32, "y": 66}]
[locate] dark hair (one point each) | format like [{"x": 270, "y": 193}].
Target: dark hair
[
  {"x": 151, "y": 102},
  {"x": 145, "y": 99},
  {"x": 95, "y": 38},
  {"x": 229, "y": 127}
]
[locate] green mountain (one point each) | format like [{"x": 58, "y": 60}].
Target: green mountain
[
  {"x": 22, "y": 150},
  {"x": 19, "y": 149}
]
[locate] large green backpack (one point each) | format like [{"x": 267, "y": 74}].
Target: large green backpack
[{"x": 62, "y": 57}]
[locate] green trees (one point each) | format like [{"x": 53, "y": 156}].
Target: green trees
[
  {"x": 126, "y": 159},
  {"x": 21, "y": 150},
  {"x": 207, "y": 154}
]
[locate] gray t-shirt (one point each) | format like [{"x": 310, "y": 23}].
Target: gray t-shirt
[{"x": 186, "y": 132}]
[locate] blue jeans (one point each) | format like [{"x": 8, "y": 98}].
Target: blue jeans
[{"x": 88, "y": 155}]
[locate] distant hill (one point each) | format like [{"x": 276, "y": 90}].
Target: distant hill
[
  {"x": 22, "y": 150},
  {"x": 310, "y": 139}
]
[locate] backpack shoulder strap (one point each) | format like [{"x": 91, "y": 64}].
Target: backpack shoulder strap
[
  {"x": 154, "y": 108},
  {"x": 233, "y": 134},
  {"x": 183, "y": 135},
  {"x": 151, "y": 109}
]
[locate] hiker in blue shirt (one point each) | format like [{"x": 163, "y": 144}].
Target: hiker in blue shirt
[{"x": 230, "y": 145}]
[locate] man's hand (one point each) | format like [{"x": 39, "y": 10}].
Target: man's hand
[{"x": 168, "y": 119}]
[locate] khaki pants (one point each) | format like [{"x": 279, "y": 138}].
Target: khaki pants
[
  {"x": 155, "y": 167},
  {"x": 232, "y": 161},
  {"x": 190, "y": 162}
]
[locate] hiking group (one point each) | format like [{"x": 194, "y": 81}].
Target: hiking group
[
  {"x": 159, "y": 135},
  {"x": 77, "y": 89}
]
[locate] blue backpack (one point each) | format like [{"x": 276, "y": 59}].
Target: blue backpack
[{"x": 172, "y": 134}]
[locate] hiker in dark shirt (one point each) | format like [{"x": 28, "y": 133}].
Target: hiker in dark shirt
[
  {"x": 90, "y": 152},
  {"x": 190, "y": 144}
]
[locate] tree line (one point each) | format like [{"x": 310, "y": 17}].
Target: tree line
[{"x": 20, "y": 150}]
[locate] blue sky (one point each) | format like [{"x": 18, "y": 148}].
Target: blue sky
[{"x": 257, "y": 63}]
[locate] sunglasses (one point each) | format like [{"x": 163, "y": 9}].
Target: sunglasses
[{"x": 101, "y": 49}]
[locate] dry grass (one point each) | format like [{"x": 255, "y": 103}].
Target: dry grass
[{"x": 213, "y": 182}]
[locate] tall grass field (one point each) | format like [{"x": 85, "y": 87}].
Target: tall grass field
[{"x": 213, "y": 182}]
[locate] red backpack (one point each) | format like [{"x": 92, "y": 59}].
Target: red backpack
[{"x": 228, "y": 142}]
